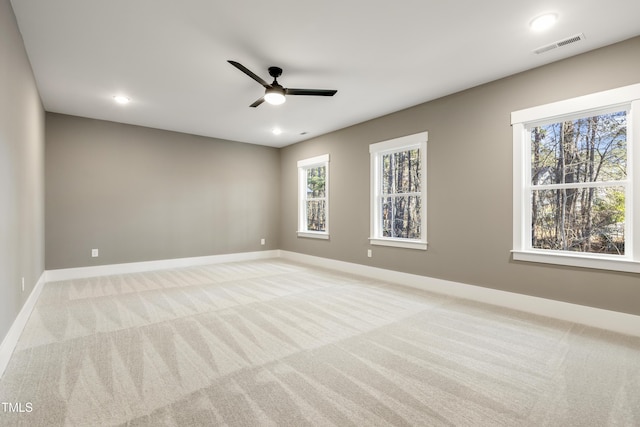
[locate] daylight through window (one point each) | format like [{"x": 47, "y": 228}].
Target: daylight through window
[
  {"x": 573, "y": 187},
  {"x": 398, "y": 211},
  {"x": 313, "y": 197},
  {"x": 578, "y": 184}
]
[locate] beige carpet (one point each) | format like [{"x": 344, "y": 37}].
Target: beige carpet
[{"x": 272, "y": 343}]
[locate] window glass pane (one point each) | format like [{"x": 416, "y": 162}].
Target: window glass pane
[
  {"x": 401, "y": 217},
  {"x": 406, "y": 216},
  {"x": 388, "y": 163},
  {"x": 579, "y": 220},
  {"x": 402, "y": 175},
  {"x": 401, "y": 172},
  {"x": 316, "y": 215},
  {"x": 588, "y": 149},
  {"x": 316, "y": 178},
  {"x": 414, "y": 220},
  {"x": 415, "y": 175},
  {"x": 387, "y": 216}
]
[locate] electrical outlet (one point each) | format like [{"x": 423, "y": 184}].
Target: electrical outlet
[
  {"x": 369, "y": 253},
  {"x": 23, "y": 284},
  {"x": 94, "y": 253},
  {"x": 263, "y": 241}
]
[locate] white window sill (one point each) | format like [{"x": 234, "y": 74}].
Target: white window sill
[
  {"x": 601, "y": 262},
  {"x": 314, "y": 234},
  {"x": 399, "y": 243}
]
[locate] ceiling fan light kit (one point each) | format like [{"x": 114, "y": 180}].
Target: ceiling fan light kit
[
  {"x": 275, "y": 96},
  {"x": 274, "y": 93}
]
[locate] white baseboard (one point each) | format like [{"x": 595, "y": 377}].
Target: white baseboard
[
  {"x": 11, "y": 339},
  {"x": 604, "y": 319},
  {"x": 138, "y": 267},
  {"x": 13, "y": 335},
  {"x": 623, "y": 323}
]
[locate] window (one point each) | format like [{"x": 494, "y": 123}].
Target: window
[
  {"x": 575, "y": 202},
  {"x": 313, "y": 197},
  {"x": 398, "y": 192}
]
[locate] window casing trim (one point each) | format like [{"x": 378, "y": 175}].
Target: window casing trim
[
  {"x": 624, "y": 98},
  {"x": 399, "y": 243},
  {"x": 581, "y": 104},
  {"x": 376, "y": 151},
  {"x": 576, "y": 259}
]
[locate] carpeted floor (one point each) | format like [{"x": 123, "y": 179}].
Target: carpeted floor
[{"x": 266, "y": 343}]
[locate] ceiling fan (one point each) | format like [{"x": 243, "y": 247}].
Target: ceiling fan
[{"x": 274, "y": 92}]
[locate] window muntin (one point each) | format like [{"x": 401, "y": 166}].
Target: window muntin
[
  {"x": 313, "y": 197},
  {"x": 398, "y": 215},
  {"x": 575, "y": 202}
]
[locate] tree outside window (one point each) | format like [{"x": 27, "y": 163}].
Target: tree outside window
[
  {"x": 576, "y": 198},
  {"x": 398, "y": 192},
  {"x": 315, "y": 200},
  {"x": 313, "y": 197},
  {"x": 578, "y": 170},
  {"x": 400, "y": 195}
]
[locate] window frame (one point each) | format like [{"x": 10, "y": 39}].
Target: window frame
[
  {"x": 303, "y": 167},
  {"x": 623, "y": 98},
  {"x": 376, "y": 152}
]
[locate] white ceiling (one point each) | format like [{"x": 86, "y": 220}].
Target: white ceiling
[{"x": 170, "y": 57}]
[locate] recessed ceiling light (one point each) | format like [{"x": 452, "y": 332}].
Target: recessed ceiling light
[
  {"x": 543, "y": 22},
  {"x": 276, "y": 131},
  {"x": 120, "y": 99}
]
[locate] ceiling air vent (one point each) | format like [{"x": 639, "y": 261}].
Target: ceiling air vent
[{"x": 559, "y": 43}]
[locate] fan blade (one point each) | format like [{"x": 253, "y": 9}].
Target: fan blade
[
  {"x": 313, "y": 92},
  {"x": 249, "y": 73},
  {"x": 258, "y": 102}
]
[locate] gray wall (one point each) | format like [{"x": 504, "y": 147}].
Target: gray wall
[
  {"x": 469, "y": 185},
  {"x": 21, "y": 173},
  {"x": 140, "y": 194}
]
